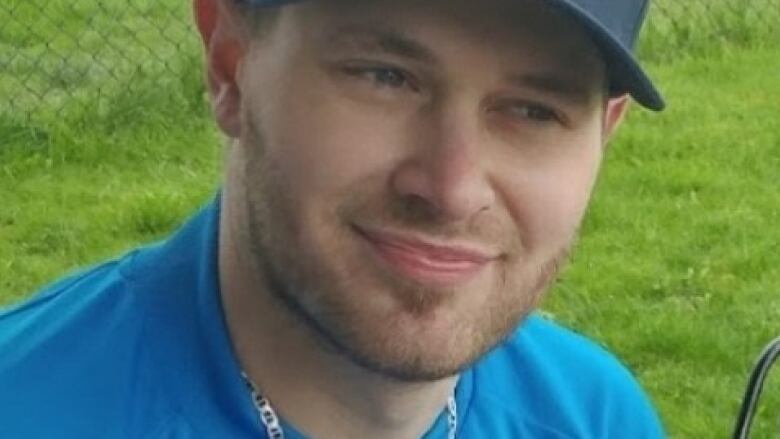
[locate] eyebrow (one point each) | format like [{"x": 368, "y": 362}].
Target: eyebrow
[
  {"x": 393, "y": 42},
  {"x": 565, "y": 88},
  {"x": 389, "y": 41}
]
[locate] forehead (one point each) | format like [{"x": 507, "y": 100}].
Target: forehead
[{"x": 510, "y": 29}]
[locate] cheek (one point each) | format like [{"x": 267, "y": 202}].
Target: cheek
[
  {"x": 547, "y": 199},
  {"x": 322, "y": 144}
]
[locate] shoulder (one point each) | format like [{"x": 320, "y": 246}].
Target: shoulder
[
  {"x": 63, "y": 350},
  {"x": 554, "y": 379},
  {"x": 65, "y": 306}
]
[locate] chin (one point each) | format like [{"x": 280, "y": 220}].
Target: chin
[
  {"x": 406, "y": 332},
  {"x": 428, "y": 350}
]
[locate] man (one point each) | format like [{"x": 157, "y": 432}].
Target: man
[{"x": 403, "y": 181}]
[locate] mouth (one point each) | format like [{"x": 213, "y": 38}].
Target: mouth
[{"x": 427, "y": 262}]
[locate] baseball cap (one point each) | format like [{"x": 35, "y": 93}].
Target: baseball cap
[{"x": 614, "y": 26}]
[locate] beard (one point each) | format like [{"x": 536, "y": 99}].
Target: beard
[{"x": 315, "y": 266}]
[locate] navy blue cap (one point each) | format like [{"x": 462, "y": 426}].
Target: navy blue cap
[{"x": 614, "y": 26}]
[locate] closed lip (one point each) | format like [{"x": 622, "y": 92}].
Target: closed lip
[
  {"x": 427, "y": 261},
  {"x": 447, "y": 256}
]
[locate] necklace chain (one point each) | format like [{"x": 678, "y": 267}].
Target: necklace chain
[
  {"x": 452, "y": 417},
  {"x": 274, "y": 427}
]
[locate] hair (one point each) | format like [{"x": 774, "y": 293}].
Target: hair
[{"x": 259, "y": 20}]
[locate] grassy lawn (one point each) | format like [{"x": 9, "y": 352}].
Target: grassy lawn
[
  {"x": 677, "y": 265},
  {"x": 676, "y": 269}
]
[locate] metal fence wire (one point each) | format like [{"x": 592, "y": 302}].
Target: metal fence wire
[{"x": 58, "y": 56}]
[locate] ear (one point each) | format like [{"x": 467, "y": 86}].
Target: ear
[
  {"x": 225, "y": 44},
  {"x": 615, "y": 110}
]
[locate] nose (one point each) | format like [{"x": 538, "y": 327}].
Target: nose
[{"x": 446, "y": 169}]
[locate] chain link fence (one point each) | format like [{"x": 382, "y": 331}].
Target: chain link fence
[
  {"x": 61, "y": 56},
  {"x": 681, "y": 27}
]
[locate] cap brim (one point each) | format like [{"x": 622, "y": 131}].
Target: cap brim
[{"x": 626, "y": 75}]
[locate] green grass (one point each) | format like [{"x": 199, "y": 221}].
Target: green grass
[
  {"x": 677, "y": 268},
  {"x": 678, "y": 29}
]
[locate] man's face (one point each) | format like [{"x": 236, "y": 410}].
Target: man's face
[{"x": 416, "y": 171}]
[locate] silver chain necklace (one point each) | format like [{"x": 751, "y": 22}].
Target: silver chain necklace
[{"x": 275, "y": 431}]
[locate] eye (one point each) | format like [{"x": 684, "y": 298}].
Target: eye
[
  {"x": 383, "y": 77},
  {"x": 531, "y": 111}
]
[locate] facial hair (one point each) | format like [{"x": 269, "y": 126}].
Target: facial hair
[{"x": 312, "y": 271}]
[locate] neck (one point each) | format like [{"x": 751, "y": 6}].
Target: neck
[{"x": 321, "y": 392}]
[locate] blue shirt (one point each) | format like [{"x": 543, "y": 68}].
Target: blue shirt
[{"x": 138, "y": 348}]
